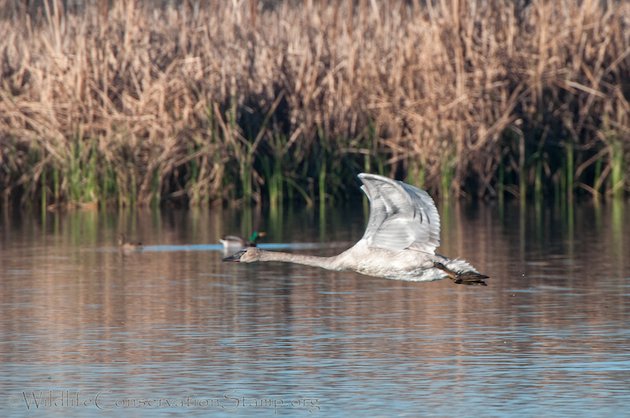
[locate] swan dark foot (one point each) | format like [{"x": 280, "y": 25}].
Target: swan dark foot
[{"x": 470, "y": 278}]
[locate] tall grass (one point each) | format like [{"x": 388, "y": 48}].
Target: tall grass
[{"x": 240, "y": 101}]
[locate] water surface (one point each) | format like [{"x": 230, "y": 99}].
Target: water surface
[{"x": 89, "y": 331}]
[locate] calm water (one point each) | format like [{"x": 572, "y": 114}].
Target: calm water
[{"x": 88, "y": 331}]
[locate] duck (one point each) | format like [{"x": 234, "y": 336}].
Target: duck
[
  {"x": 126, "y": 246},
  {"x": 399, "y": 242},
  {"x": 235, "y": 243}
]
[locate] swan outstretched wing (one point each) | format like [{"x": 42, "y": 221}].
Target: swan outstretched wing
[{"x": 401, "y": 216}]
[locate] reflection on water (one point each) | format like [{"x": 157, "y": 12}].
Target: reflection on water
[{"x": 87, "y": 329}]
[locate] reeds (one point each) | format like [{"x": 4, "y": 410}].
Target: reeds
[{"x": 258, "y": 101}]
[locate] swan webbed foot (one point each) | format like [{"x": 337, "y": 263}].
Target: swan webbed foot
[{"x": 470, "y": 278}]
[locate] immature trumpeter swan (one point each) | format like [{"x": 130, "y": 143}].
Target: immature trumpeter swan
[{"x": 399, "y": 242}]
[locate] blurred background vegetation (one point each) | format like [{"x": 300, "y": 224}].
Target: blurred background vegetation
[{"x": 143, "y": 102}]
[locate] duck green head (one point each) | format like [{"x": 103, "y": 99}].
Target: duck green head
[{"x": 255, "y": 235}]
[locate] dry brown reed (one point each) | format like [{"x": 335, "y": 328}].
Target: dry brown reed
[{"x": 230, "y": 100}]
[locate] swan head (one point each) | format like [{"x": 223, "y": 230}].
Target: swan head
[{"x": 248, "y": 255}]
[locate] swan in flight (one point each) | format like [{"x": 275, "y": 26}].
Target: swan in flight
[{"x": 399, "y": 242}]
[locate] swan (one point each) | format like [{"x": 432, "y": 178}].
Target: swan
[
  {"x": 399, "y": 242},
  {"x": 126, "y": 246},
  {"x": 234, "y": 243}
]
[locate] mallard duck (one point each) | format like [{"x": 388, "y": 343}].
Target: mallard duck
[
  {"x": 399, "y": 242},
  {"x": 235, "y": 243}
]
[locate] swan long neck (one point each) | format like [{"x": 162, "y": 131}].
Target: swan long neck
[{"x": 329, "y": 263}]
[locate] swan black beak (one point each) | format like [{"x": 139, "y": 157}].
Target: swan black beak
[{"x": 236, "y": 257}]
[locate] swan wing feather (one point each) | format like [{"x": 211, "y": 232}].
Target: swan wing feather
[{"x": 401, "y": 216}]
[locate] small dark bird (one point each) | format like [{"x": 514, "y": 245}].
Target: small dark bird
[{"x": 128, "y": 247}]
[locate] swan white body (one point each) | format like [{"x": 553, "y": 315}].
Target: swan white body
[{"x": 399, "y": 242}]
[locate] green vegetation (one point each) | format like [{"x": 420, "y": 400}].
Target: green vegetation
[{"x": 127, "y": 102}]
